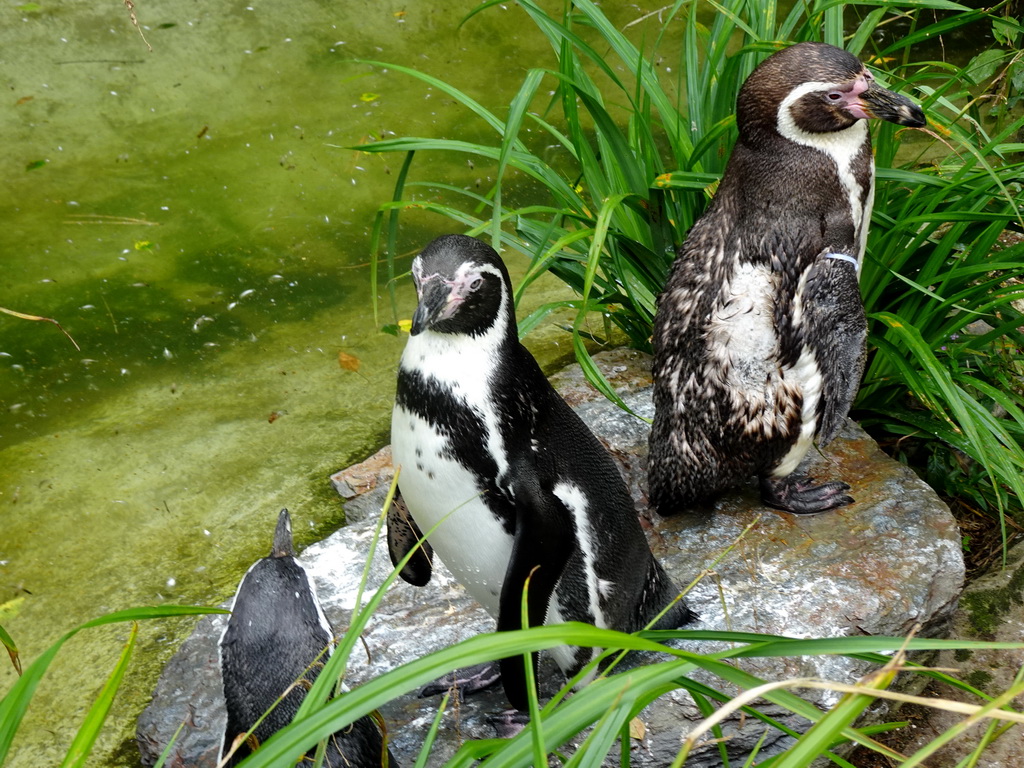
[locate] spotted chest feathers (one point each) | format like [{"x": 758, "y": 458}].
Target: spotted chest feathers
[{"x": 742, "y": 358}]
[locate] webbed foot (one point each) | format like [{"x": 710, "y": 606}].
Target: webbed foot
[
  {"x": 799, "y": 495},
  {"x": 479, "y": 677},
  {"x": 508, "y": 723}
]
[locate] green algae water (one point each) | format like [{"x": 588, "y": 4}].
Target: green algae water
[{"x": 188, "y": 216}]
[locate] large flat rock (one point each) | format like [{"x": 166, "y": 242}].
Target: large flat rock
[{"x": 889, "y": 562}]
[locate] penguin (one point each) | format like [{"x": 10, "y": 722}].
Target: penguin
[
  {"x": 277, "y": 635},
  {"x": 759, "y": 334},
  {"x": 522, "y": 494}
]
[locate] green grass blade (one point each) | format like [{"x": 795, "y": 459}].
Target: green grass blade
[
  {"x": 343, "y": 710},
  {"x": 520, "y": 103},
  {"x": 162, "y": 760},
  {"x": 12, "y": 649},
  {"x": 821, "y": 736},
  {"x": 89, "y": 731},
  {"x": 460, "y": 96},
  {"x": 15, "y": 702},
  {"x": 431, "y": 737}
]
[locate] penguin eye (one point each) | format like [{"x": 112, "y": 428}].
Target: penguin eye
[
  {"x": 834, "y": 96},
  {"x": 477, "y": 282}
]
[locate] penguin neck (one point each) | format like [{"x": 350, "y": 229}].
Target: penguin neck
[
  {"x": 849, "y": 151},
  {"x": 461, "y": 362}
]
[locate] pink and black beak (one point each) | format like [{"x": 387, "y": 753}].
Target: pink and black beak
[
  {"x": 436, "y": 303},
  {"x": 870, "y": 100}
]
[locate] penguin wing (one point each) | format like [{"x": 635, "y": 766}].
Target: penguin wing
[
  {"x": 541, "y": 548},
  {"x": 403, "y": 535},
  {"x": 835, "y": 330}
]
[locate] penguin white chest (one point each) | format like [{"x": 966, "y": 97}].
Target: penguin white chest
[
  {"x": 439, "y": 487},
  {"x": 741, "y": 340}
]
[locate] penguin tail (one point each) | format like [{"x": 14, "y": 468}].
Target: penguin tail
[{"x": 662, "y": 592}]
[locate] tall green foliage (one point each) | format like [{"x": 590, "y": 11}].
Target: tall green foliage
[
  {"x": 639, "y": 154},
  {"x": 600, "y": 713}
]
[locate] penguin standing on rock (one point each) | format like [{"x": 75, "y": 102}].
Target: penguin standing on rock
[
  {"x": 522, "y": 490},
  {"x": 277, "y": 635},
  {"x": 759, "y": 334}
]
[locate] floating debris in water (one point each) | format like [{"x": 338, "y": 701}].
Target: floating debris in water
[{"x": 348, "y": 362}]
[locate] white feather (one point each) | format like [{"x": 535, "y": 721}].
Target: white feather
[
  {"x": 806, "y": 377},
  {"x": 577, "y": 504},
  {"x": 470, "y": 540}
]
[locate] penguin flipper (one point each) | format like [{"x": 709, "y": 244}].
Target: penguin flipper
[
  {"x": 540, "y": 550},
  {"x": 833, "y": 309},
  {"x": 403, "y": 535}
]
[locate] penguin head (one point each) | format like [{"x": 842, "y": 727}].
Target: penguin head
[
  {"x": 462, "y": 286},
  {"x": 815, "y": 88}
]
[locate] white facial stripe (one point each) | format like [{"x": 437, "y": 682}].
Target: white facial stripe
[
  {"x": 841, "y": 146},
  {"x": 476, "y": 269}
]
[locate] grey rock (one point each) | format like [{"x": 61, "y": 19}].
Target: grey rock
[{"x": 881, "y": 566}]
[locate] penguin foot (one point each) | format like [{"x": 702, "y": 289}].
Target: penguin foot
[
  {"x": 465, "y": 681},
  {"x": 798, "y": 495},
  {"x": 508, "y": 723}
]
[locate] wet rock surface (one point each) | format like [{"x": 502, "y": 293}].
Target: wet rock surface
[{"x": 889, "y": 562}]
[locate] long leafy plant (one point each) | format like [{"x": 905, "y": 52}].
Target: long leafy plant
[
  {"x": 639, "y": 154},
  {"x": 594, "y": 722}
]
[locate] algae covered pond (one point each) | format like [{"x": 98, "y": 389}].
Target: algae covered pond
[{"x": 190, "y": 217}]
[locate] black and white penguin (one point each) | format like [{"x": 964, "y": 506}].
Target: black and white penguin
[
  {"x": 759, "y": 334},
  {"x": 521, "y": 488},
  {"x": 276, "y": 631}
]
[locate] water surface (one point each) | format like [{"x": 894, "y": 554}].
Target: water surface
[{"x": 184, "y": 215}]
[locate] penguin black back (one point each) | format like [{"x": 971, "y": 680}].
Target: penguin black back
[
  {"x": 277, "y": 635},
  {"x": 520, "y": 487},
  {"x": 759, "y": 334}
]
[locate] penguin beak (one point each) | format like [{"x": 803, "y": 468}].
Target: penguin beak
[
  {"x": 883, "y": 104},
  {"x": 435, "y": 304},
  {"x": 283, "y": 536}
]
